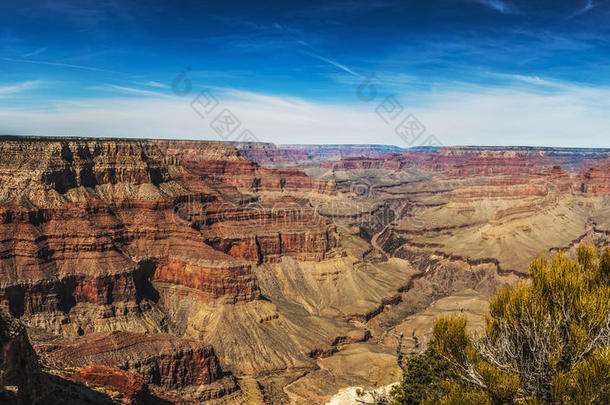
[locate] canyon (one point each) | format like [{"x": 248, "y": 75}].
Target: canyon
[
  {"x": 143, "y": 271},
  {"x": 277, "y": 156}
]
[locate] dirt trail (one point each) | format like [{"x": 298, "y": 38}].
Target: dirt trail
[{"x": 376, "y": 245}]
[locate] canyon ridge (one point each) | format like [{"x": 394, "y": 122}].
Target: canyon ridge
[{"x": 184, "y": 272}]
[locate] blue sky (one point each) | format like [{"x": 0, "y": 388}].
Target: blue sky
[{"x": 472, "y": 71}]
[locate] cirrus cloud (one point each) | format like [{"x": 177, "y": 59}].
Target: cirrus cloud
[{"x": 563, "y": 115}]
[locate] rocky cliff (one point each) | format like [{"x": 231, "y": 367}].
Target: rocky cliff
[
  {"x": 20, "y": 375},
  {"x": 503, "y": 205},
  {"x": 161, "y": 360},
  {"x": 270, "y": 155},
  {"x": 596, "y": 180},
  {"x": 101, "y": 235},
  {"x": 90, "y": 221},
  {"x": 24, "y": 380},
  {"x": 229, "y": 166}
]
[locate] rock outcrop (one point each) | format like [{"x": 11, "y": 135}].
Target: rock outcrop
[
  {"x": 228, "y": 166},
  {"x": 93, "y": 222},
  {"x": 161, "y": 360},
  {"x": 124, "y": 387},
  {"x": 26, "y": 379},
  {"x": 101, "y": 235},
  {"x": 596, "y": 180},
  {"x": 20, "y": 375}
]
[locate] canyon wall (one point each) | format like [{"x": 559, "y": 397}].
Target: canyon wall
[
  {"x": 503, "y": 205},
  {"x": 276, "y": 156},
  {"x": 96, "y": 230}
]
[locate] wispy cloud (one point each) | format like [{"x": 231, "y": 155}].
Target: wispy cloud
[
  {"x": 133, "y": 90},
  {"x": 589, "y": 5},
  {"x": 332, "y": 62},
  {"x": 158, "y": 85},
  {"x": 59, "y": 64},
  {"x": 390, "y": 81},
  {"x": 498, "y": 5},
  {"x": 34, "y": 52},
  {"x": 238, "y": 96},
  {"x": 565, "y": 116},
  {"x": 535, "y": 80},
  {"x": 19, "y": 87}
]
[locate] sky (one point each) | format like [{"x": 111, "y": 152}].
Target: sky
[{"x": 450, "y": 72}]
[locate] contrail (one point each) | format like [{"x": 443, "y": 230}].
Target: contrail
[
  {"x": 67, "y": 65},
  {"x": 313, "y": 54},
  {"x": 332, "y": 62}
]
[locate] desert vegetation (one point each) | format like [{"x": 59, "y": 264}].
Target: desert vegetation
[{"x": 546, "y": 340}]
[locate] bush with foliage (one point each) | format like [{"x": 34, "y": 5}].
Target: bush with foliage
[{"x": 546, "y": 341}]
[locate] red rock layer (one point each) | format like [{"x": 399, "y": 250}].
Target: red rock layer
[
  {"x": 57, "y": 259},
  {"x": 260, "y": 232},
  {"x": 516, "y": 186},
  {"x": 276, "y": 227},
  {"x": 512, "y": 157},
  {"x": 231, "y": 168},
  {"x": 452, "y": 162},
  {"x": 596, "y": 180},
  {"x": 390, "y": 161},
  {"x": 107, "y": 257},
  {"x": 130, "y": 388},
  {"x": 480, "y": 161},
  {"x": 95, "y": 221},
  {"x": 270, "y": 155},
  {"x": 162, "y": 360},
  {"x": 234, "y": 281}
]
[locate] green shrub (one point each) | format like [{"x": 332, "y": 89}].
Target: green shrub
[{"x": 545, "y": 341}]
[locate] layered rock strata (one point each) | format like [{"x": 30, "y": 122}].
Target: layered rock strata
[
  {"x": 270, "y": 155},
  {"x": 496, "y": 205},
  {"x": 103, "y": 235},
  {"x": 228, "y": 166},
  {"x": 95, "y": 221},
  {"x": 596, "y": 180},
  {"x": 161, "y": 360}
]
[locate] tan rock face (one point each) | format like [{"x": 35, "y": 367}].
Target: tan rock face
[{"x": 483, "y": 204}]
